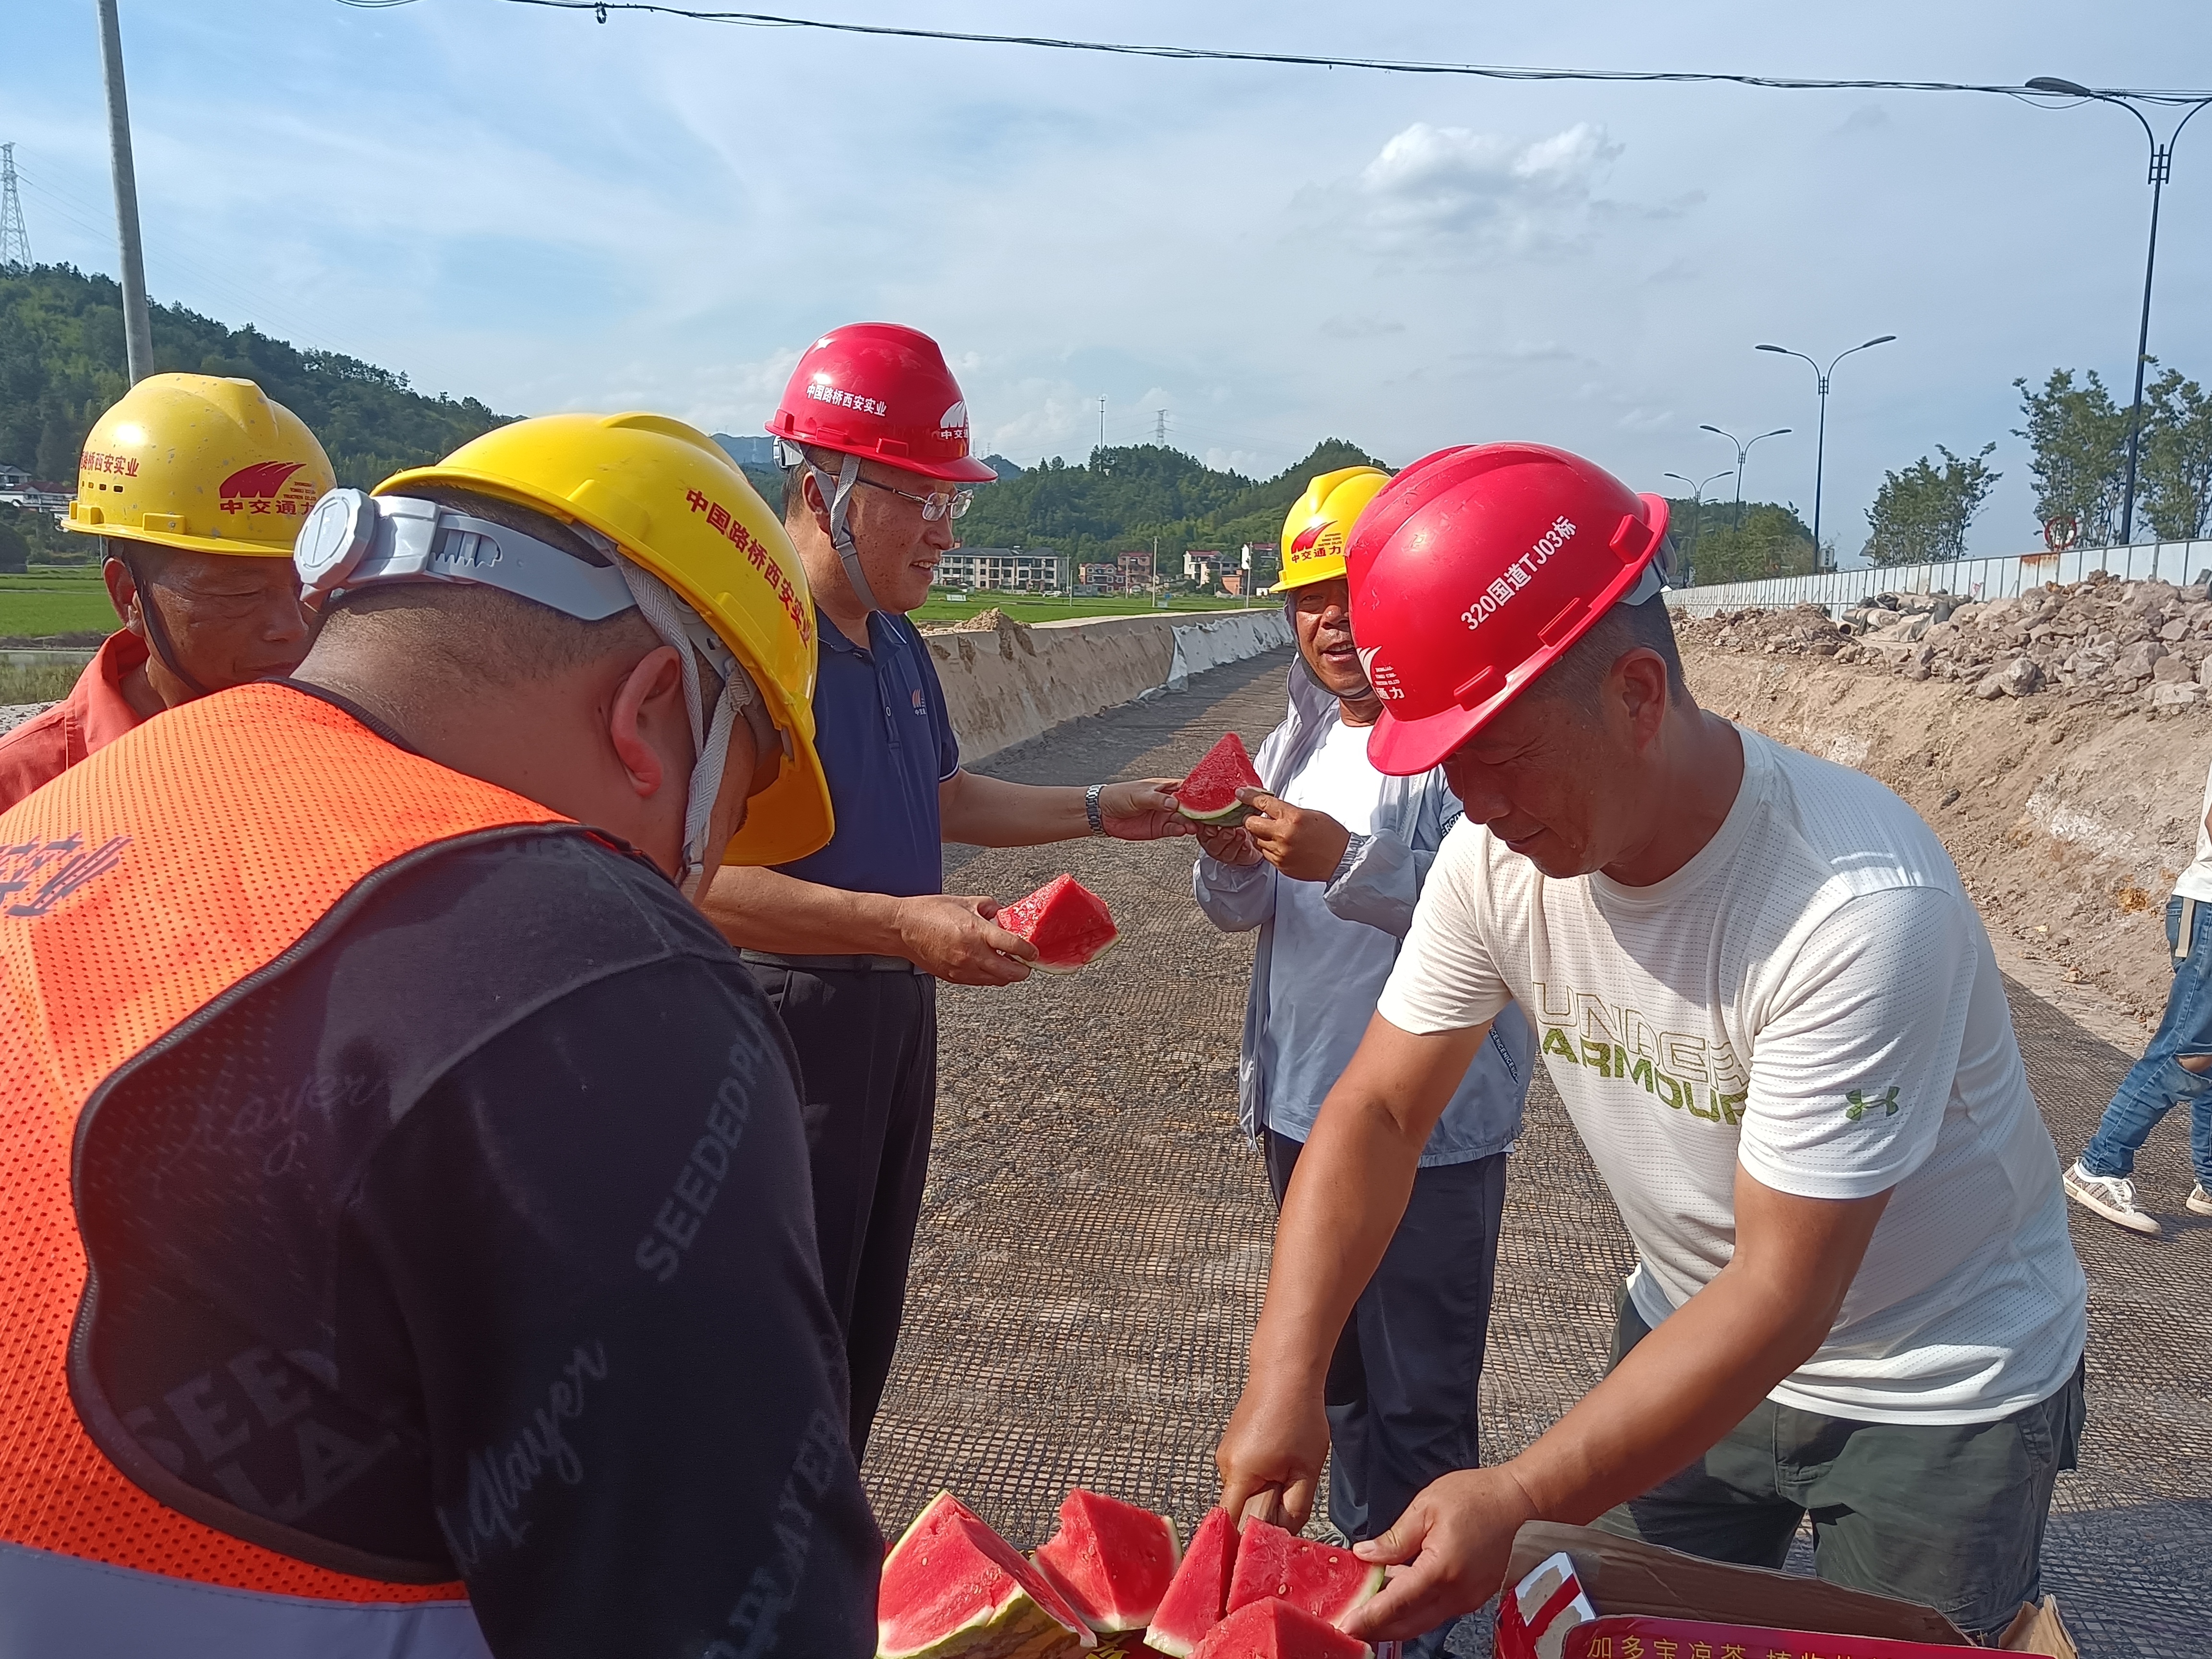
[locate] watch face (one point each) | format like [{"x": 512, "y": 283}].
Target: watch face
[{"x": 332, "y": 540}]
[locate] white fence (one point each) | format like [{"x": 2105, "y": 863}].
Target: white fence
[{"x": 2179, "y": 562}]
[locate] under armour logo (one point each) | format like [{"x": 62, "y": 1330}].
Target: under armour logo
[{"x": 1860, "y": 1105}]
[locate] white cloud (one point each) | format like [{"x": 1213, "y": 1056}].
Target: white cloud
[{"x": 1440, "y": 187}]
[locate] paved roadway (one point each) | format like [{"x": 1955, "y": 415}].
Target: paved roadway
[{"x": 1095, "y": 1241}]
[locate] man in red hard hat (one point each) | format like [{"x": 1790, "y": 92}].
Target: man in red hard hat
[
  {"x": 849, "y": 942},
  {"x": 1774, "y": 1015}
]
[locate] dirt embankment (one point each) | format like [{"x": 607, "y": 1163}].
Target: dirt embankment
[{"x": 2068, "y": 815}]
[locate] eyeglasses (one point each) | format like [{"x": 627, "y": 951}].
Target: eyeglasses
[{"x": 933, "y": 507}]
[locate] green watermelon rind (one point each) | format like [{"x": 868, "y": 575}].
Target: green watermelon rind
[{"x": 1018, "y": 1627}]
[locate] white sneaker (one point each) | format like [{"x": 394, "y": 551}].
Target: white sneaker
[
  {"x": 2200, "y": 1200},
  {"x": 2112, "y": 1197}
]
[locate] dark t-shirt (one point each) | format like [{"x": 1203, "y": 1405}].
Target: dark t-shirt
[
  {"x": 473, "y": 1239},
  {"x": 886, "y": 743}
]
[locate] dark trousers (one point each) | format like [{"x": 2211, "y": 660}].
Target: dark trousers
[
  {"x": 867, "y": 1054},
  {"x": 1402, "y": 1390},
  {"x": 1948, "y": 1515}
]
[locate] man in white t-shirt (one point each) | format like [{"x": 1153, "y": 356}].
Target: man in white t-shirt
[{"x": 1774, "y": 1017}]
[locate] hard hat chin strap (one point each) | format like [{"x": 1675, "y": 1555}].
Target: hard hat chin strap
[
  {"x": 680, "y": 627},
  {"x": 839, "y": 492},
  {"x": 157, "y": 628}
]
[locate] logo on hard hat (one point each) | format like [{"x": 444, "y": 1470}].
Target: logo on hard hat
[
  {"x": 1317, "y": 540},
  {"x": 1384, "y": 679},
  {"x": 953, "y": 423},
  {"x": 267, "y": 486}
]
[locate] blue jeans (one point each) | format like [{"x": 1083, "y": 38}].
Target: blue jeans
[{"x": 2158, "y": 1082}]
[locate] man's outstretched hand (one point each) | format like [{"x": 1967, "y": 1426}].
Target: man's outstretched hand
[
  {"x": 1142, "y": 810},
  {"x": 952, "y": 936},
  {"x": 1447, "y": 1555}
]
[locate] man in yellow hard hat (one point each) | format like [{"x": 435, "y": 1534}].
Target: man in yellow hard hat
[
  {"x": 1328, "y": 868},
  {"x": 406, "y": 1228},
  {"x": 195, "y": 485}
]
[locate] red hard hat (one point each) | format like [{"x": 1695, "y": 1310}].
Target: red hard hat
[
  {"x": 881, "y": 391},
  {"x": 1472, "y": 571}
]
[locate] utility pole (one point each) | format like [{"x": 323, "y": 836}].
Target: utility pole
[
  {"x": 2161, "y": 171},
  {"x": 15, "y": 240},
  {"x": 1102, "y": 420},
  {"x": 1742, "y": 450},
  {"x": 137, "y": 331},
  {"x": 1820, "y": 447}
]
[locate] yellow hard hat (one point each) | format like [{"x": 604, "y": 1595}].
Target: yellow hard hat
[
  {"x": 201, "y": 463},
  {"x": 678, "y": 506},
  {"x": 1318, "y": 521}
]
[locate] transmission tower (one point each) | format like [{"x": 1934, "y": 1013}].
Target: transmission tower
[
  {"x": 1160, "y": 429},
  {"x": 15, "y": 240}
]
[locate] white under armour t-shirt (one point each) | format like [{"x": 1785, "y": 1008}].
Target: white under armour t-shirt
[{"x": 1813, "y": 996}]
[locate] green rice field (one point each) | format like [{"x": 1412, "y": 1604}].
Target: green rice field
[
  {"x": 63, "y": 600},
  {"x": 1025, "y": 610}
]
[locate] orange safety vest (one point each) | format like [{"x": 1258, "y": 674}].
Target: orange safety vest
[{"x": 137, "y": 888}]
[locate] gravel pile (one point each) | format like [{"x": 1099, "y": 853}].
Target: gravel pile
[{"x": 2134, "y": 644}]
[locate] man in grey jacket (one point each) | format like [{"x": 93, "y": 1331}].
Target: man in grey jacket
[{"x": 1328, "y": 868}]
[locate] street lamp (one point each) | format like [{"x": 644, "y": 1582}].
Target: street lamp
[
  {"x": 1820, "y": 446},
  {"x": 1696, "y": 516},
  {"x": 1743, "y": 449},
  {"x": 2161, "y": 169}
]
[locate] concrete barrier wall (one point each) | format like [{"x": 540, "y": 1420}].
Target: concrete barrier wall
[{"x": 1007, "y": 684}]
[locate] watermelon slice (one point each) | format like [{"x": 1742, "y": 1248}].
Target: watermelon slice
[
  {"x": 1111, "y": 1561},
  {"x": 1200, "y": 1594},
  {"x": 952, "y": 1586},
  {"x": 1319, "y": 1579},
  {"x": 1274, "y": 1628},
  {"x": 1209, "y": 793},
  {"x": 1069, "y": 923}
]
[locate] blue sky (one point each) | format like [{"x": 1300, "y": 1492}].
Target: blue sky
[{"x": 530, "y": 208}]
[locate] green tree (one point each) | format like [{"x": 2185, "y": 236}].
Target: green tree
[
  {"x": 2175, "y": 471},
  {"x": 62, "y": 363},
  {"x": 1771, "y": 540},
  {"x": 15, "y": 551},
  {"x": 1920, "y": 515},
  {"x": 2078, "y": 443}
]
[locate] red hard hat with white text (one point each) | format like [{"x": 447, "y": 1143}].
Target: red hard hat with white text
[
  {"x": 1472, "y": 571},
  {"x": 881, "y": 391}
]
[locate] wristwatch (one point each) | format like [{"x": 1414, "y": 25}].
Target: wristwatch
[{"x": 1090, "y": 808}]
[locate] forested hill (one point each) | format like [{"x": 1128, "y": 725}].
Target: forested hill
[
  {"x": 62, "y": 363},
  {"x": 1119, "y": 499}
]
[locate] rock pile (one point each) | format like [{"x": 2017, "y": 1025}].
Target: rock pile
[{"x": 2137, "y": 644}]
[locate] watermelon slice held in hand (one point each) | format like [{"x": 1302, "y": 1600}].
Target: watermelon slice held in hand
[
  {"x": 1275, "y": 1629},
  {"x": 1200, "y": 1595},
  {"x": 1069, "y": 923},
  {"x": 952, "y": 1586},
  {"x": 1111, "y": 1561},
  {"x": 1322, "y": 1579},
  {"x": 1209, "y": 795}
]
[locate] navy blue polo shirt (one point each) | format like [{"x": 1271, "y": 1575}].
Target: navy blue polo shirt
[{"x": 886, "y": 743}]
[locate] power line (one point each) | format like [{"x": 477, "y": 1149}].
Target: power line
[{"x": 601, "y": 8}]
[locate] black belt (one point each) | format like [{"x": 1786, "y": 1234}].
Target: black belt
[{"x": 861, "y": 965}]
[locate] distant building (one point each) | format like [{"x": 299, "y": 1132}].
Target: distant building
[
  {"x": 1202, "y": 566},
  {"x": 1100, "y": 577},
  {"x": 1232, "y": 583},
  {"x": 748, "y": 452},
  {"x": 1000, "y": 569},
  {"x": 12, "y": 477}
]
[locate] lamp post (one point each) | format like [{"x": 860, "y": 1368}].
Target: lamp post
[
  {"x": 1821, "y": 444},
  {"x": 1742, "y": 450},
  {"x": 1697, "y": 514},
  {"x": 2161, "y": 169}
]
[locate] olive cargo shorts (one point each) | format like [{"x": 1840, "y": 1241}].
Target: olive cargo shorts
[{"x": 1950, "y": 1516}]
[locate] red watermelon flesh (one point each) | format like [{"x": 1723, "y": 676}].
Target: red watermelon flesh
[
  {"x": 1274, "y": 1628},
  {"x": 1209, "y": 793},
  {"x": 952, "y": 1586},
  {"x": 1111, "y": 1561},
  {"x": 1322, "y": 1579},
  {"x": 1069, "y": 923},
  {"x": 1199, "y": 1593}
]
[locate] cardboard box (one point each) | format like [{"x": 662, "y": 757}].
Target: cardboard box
[{"x": 1574, "y": 1593}]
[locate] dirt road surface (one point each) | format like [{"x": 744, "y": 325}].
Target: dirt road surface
[{"x": 1095, "y": 1237}]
